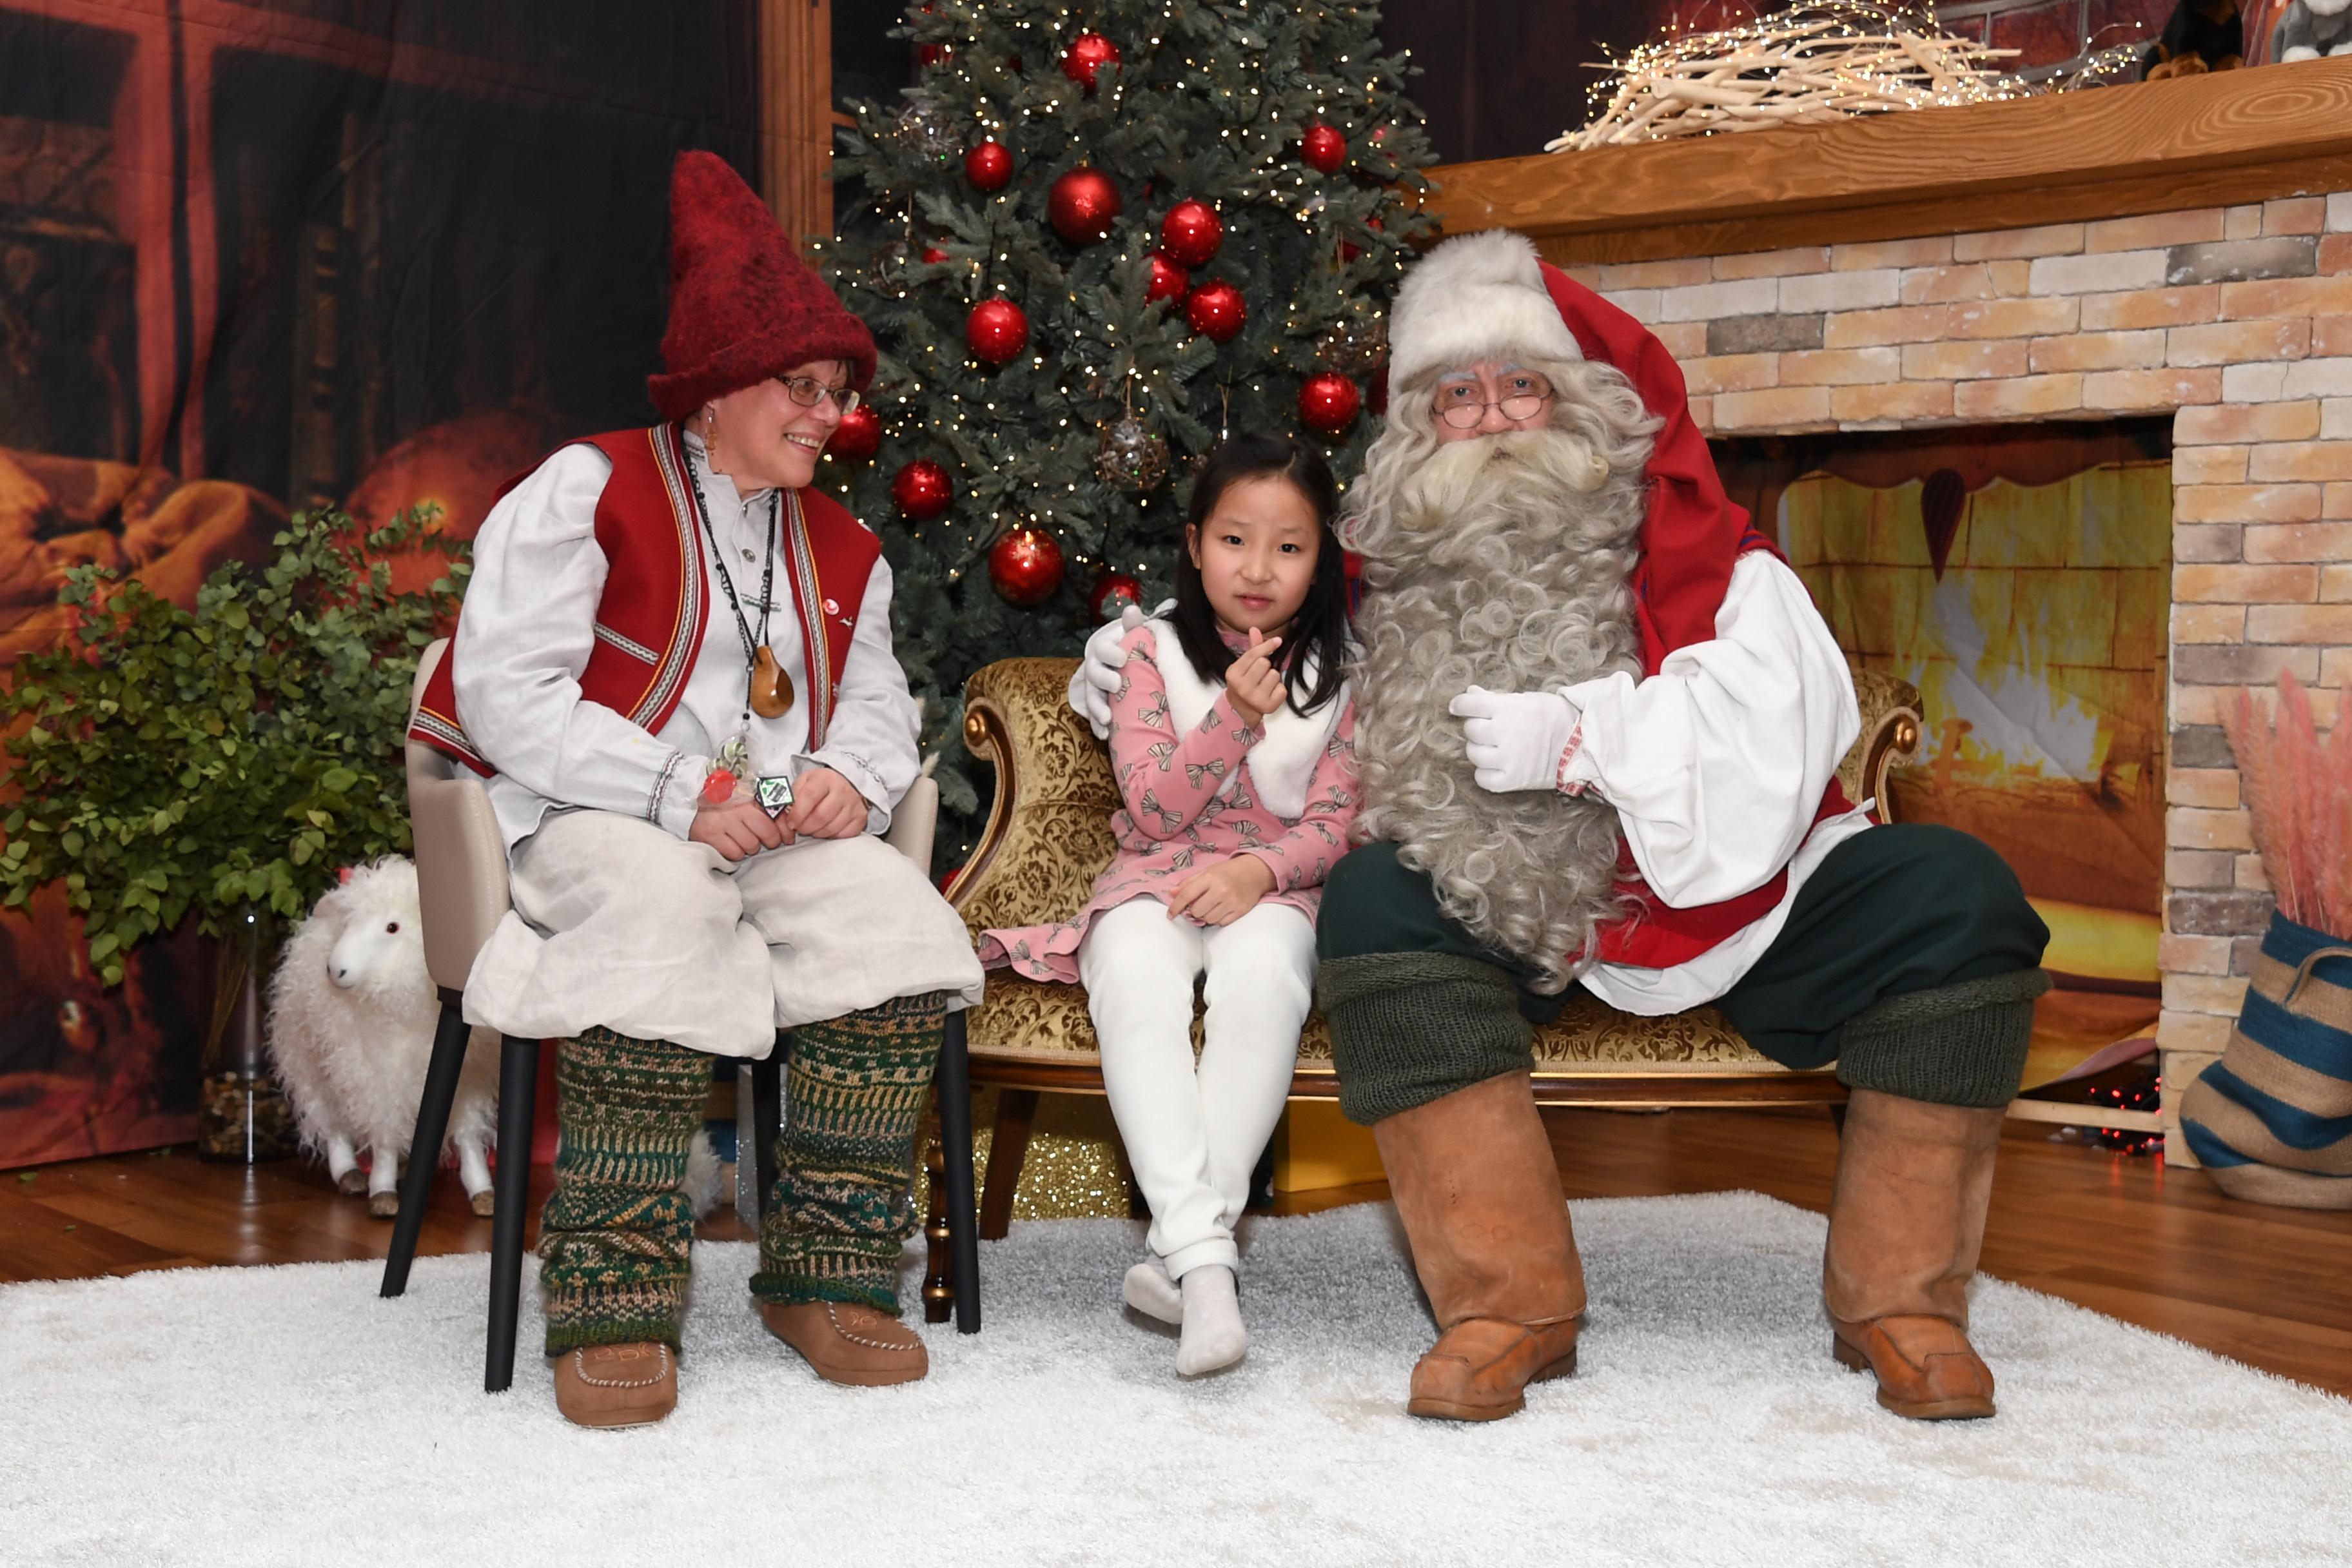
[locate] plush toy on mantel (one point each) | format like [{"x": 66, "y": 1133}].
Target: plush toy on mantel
[
  {"x": 2311, "y": 28},
  {"x": 2202, "y": 36}
]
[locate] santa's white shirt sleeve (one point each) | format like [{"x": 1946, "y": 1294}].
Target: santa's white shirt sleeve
[
  {"x": 1716, "y": 766},
  {"x": 529, "y": 625}
]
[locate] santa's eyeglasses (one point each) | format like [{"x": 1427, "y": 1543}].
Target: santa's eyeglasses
[
  {"x": 1524, "y": 396},
  {"x": 808, "y": 392}
]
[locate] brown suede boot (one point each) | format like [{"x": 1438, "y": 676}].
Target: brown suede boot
[
  {"x": 1479, "y": 1193},
  {"x": 616, "y": 1385},
  {"x": 1906, "y": 1224}
]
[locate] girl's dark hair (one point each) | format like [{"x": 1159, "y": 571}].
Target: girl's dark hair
[{"x": 1321, "y": 624}]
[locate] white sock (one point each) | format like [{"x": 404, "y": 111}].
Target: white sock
[
  {"x": 1214, "y": 1337},
  {"x": 1149, "y": 1291}
]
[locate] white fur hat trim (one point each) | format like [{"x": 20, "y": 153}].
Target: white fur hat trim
[{"x": 1480, "y": 296}]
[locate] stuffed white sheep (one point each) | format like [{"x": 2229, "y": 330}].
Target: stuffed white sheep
[{"x": 352, "y": 1014}]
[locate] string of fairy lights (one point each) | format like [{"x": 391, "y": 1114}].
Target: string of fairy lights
[{"x": 1061, "y": 86}]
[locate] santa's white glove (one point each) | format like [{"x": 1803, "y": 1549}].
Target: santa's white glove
[
  {"x": 1096, "y": 678},
  {"x": 1517, "y": 738}
]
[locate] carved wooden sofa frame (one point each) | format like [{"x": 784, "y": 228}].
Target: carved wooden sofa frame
[{"x": 1048, "y": 834}]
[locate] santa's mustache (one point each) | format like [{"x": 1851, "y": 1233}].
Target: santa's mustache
[{"x": 1507, "y": 472}]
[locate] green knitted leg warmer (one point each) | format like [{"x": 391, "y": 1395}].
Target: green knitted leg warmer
[
  {"x": 615, "y": 1237},
  {"x": 1955, "y": 1045},
  {"x": 1411, "y": 1027},
  {"x": 845, "y": 1167}
]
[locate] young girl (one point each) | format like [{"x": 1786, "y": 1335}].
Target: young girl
[{"x": 1233, "y": 742}]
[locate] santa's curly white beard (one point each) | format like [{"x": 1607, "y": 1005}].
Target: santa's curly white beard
[{"x": 1500, "y": 563}]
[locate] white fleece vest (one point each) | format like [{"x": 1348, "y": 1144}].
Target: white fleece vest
[{"x": 1282, "y": 765}]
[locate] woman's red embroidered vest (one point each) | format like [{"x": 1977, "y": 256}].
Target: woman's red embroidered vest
[{"x": 656, "y": 604}]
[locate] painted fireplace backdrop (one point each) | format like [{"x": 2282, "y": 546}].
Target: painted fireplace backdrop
[
  {"x": 260, "y": 257},
  {"x": 2020, "y": 578}
]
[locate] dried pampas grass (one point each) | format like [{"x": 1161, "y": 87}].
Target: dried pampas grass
[{"x": 2298, "y": 790}]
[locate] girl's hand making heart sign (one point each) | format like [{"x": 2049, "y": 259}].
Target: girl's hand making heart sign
[
  {"x": 1251, "y": 684},
  {"x": 1222, "y": 894}
]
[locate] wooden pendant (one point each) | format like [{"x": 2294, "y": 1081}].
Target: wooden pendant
[{"x": 772, "y": 688}]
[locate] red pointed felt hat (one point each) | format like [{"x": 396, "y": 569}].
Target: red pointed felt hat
[{"x": 742, "y": 306}]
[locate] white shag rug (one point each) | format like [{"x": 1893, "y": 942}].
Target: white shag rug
[{"x": 289, "y": 1416}]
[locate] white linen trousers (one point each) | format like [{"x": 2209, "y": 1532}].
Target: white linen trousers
[{"x": 1193, "y": 1133}]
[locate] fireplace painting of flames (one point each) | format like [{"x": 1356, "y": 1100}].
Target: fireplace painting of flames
[{"x": 2020, "y": 579}]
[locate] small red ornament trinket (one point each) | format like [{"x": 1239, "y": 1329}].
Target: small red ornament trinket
[
  {"x": 1088, "y": 53},
  {"x": 1082, "y": 206},
  {"x": 996, "y": 330},
  {"x": 1168, "y": 282},
  {"x": 859, "y": 436},
  {"x": 1323, "y": 149},
  {"x": 921, "y": 490},
  {"x": 1113, "y": 592},
  {"x": 718, "y": 787},
  {"x": 1026, "y": 565},
  {"x": 988, "y": 167},
  {"x": 933, "y": 255},
  {"x": 1191, "y": 233},
  {"x": 1217, "y": 311},
  {"x": 1328, "y": 402}
]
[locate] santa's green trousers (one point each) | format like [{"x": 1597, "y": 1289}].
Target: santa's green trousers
[
  {"x": 1910, "y": 958},
  {"x": 616, "y": 1232}
]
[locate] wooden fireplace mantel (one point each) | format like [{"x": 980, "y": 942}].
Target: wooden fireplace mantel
[{"x": 2207, "y": 140}]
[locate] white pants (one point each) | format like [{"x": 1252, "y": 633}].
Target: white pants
[
  {"x": 620, "y": 923},
  {"x": 1193, "y": 1135}
]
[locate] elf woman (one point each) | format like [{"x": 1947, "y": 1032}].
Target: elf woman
[{"x": 675, "y": 666}]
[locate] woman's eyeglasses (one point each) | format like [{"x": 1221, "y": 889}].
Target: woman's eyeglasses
[
  {"x": 1523, "y": 398},
  {"x": 808, "y": 392}
]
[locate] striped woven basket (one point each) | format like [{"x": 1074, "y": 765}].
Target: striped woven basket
[{"x": 2272, "y": 1120}]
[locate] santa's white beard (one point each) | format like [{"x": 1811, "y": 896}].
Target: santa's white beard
[{"x": 1500, "y": 563}]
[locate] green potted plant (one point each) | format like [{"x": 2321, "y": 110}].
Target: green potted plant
[{"x": 222, "y": 764}]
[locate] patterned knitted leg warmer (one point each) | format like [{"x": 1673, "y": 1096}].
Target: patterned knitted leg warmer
[
  {"x": 845, "y": 1170},
  {"x": 615, "y": 1237}
]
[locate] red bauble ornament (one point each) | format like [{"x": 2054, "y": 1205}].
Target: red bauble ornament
[
  {"x": 1190, "y": 234},
  {"x": 1328, "y": 402},
  {"x": 932, "y": 54},
  {"x": 1323, "y": 149},
  {"x": 1168, "y": 282},
  {"x": 989, "y": 166},
  {"x": 1026, "y": 565},
  {"x": 996, "y": 330},
  {"x": 933, "y": 255},
  {"x": 1082, "y": 206},
  {"x": 922, "y": 490},
  {"x": 1217, "y": 311},
  {"x": 1113, "y": 592},
  {"x": 1088, "y": 53},
  {"x": 1348, "y": 252},
  {"x": 859, "y": 436}
]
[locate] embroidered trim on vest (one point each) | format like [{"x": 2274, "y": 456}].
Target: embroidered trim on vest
[
  {"x": 816, "y": 638},
  {"x": 629, "y": 646},
  {"x": 444, "y": 733},
  {"x": 677, "y": 662}
]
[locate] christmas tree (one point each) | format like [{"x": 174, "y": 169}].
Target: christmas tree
[{"x": 1099, "y": 237}]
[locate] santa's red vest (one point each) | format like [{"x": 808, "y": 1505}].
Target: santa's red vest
[{"x": 657, "y": 600}]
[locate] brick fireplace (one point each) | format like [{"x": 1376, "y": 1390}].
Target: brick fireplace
[{"x": 2039, "y": 261}]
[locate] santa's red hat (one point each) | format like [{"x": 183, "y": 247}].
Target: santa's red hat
[
  {"x": 742, "y": 306},
  {"x": 1488, "y": 296}
]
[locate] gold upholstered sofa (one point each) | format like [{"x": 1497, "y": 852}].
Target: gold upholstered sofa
[{"x": 1048, "y": 834}]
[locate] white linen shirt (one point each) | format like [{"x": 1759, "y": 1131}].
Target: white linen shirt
[
  {"x": 528, "y": 627},
  {"x": 1717, "y": 766}
]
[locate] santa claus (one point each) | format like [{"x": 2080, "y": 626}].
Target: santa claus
[{"x": 1600, "y": 722}]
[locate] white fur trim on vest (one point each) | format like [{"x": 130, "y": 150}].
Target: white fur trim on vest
[
  {"x": 1282, "y": 765},
  {"x": 1480, "y": 296}
]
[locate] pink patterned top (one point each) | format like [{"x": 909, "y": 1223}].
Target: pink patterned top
[{"x": 1180, "y": 817}]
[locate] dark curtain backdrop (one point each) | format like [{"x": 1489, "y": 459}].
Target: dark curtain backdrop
[{"x": 264, "y": 255}]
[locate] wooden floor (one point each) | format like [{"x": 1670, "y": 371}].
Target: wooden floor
[{"x": 2125, "y": 1236}]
